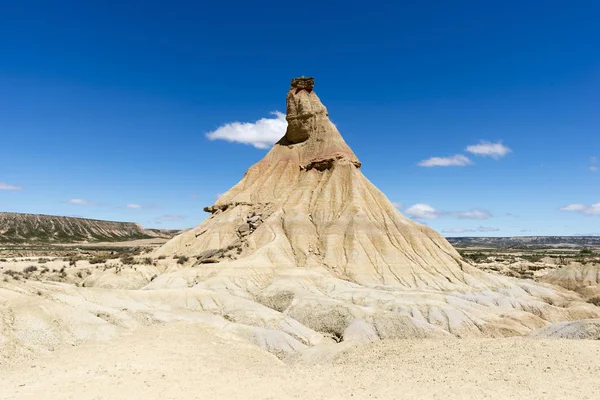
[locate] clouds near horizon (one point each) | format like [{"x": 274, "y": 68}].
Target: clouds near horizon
[
  {"x": 426, "y": 211},
  {"x": 587, "y": 209},
  {"x": 82, "y": 202},
  {"x": 469, "y": 230},
  {"x": 6, "y": 186}
]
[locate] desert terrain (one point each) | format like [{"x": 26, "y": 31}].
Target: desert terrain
[
  {"x": 183, "y": 357},
  {"x": 304, "y": 281}
]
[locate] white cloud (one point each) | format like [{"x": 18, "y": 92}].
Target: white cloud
[
  {"x": 6, "y": 186},
  {"x": 458, "y": 230},
  {"x": 588, "y": 209},
  {"x": 422, "y": 211},
  {"x": 467, "y": 230},
  {"x": 425, "y": 211},
  {"x": 396, "y": 204},
  {"x": 593, "y": 160},
  {"x": 593, "y": 168},
  {"x": 472, "y": 214},
  {"x": 133, "y": 206},
  {"x": 488, "y": 149},
  {"x": 457, "y": 160},
  {"x": 81, "y": 202},
  {"x": 261, "y": 134},
  {"x": 487, "y": 229}
]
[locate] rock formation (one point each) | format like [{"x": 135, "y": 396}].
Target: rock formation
[
  {"x": 307, "y": 204},
  {"x": 305, "y": 233}
]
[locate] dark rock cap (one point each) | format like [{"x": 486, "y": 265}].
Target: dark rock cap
[{"x": 303, "y": 83}]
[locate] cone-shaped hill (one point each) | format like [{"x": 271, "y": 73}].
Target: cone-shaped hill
[
  {"x": 307, "y": 204},
  {"x": 305, "y": 235}
]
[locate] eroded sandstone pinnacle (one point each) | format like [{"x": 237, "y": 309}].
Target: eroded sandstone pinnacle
[{"x": 303, "y": 83}]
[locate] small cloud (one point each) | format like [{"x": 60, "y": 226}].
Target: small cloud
[
  {"x": 587, "y": 209},
  {"x": 457, "y": 160},
  {"x": 425, "y": 211},
  {"x": 218, "y": 195},
  {"x": 487, "y": 229},
  {"x": 397, "y": 205},
  {"x": 6, "y": 186},
  {"x": 472, "y": 214},
  {"x": 82, "y": 202},
  {"x": 468, "y": 230},
  {"x": 133, "y": 206},
  {"x": 512, "y": 215},
  {"x": 170, "y": 218},
  {"x": 261, "y": 134},
  {"x": 458, "y": 230},
  {"x": 488, "y": 149},
  {"x": 593, "y": 168},
  {"x": 525, "y": 230},
  {"x": 422, "y": 211},
  {"x": 593, "y": 160},
  {"x": 194, "y": 196}
]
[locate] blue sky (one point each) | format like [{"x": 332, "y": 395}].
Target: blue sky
[{"x": 108, "y": 104}]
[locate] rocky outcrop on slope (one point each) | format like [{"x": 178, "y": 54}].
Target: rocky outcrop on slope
[{"x": 19, "y": 228}]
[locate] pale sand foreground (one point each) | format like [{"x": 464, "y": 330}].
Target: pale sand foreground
[{"x": 194, "y": 361}]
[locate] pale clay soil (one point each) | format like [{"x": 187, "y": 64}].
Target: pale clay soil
[{"x": 194, "y": 361}]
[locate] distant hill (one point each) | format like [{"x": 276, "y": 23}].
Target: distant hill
[
  {"x": 527, "y": 242},
  {"x": 21, "y": 228}
]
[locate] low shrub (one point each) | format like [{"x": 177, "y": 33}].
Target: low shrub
[
  {"x": 127, "y": 260},
  {"x": 182, "y": 260},
  {"x": 595, "y": 301},
  {"x": 101, "y": 259},
  {"x": 30, "y": 269}
]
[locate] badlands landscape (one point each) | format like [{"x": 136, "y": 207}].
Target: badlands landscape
[{"x": 304, "y": 281}]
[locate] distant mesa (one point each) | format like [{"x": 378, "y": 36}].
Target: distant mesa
[{"x": 32, "y": 228}]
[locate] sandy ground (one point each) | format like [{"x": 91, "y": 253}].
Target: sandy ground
[{"x": 194, "y": 361}]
